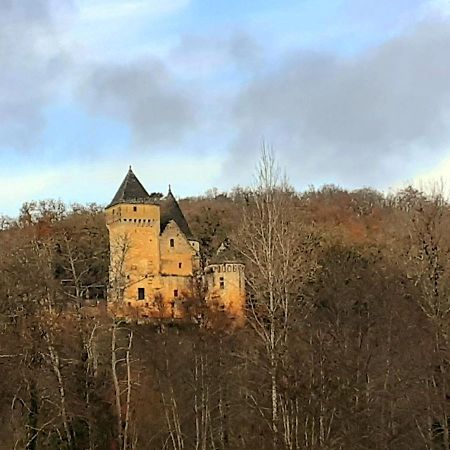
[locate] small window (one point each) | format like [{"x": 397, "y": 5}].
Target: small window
[
  {"x": 141, "y": 293},
  {"x": 175, "y": 293},
  {"x": 222, "y": 283},
  {"x": 172, "y": 243},
  {"x": 179, "y": 265},
  {"x": 134, "y": 208}
]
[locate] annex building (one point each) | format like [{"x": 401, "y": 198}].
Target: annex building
[{"x": 155, "y": 264}]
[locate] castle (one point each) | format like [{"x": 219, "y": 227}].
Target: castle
[{"x": 155, "y": 265}]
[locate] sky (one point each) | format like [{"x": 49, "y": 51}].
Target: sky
[{"x": 348, "y": 92}]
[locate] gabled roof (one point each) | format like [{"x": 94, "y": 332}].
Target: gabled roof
[
  {"x": 170, "y": 210},
  {"x": 131, "y": 191}
]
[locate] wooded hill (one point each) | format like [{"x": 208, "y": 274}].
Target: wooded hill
[{"x": 345, "y": 345}]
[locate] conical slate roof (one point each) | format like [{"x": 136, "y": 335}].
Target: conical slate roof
[
  {"x": 170, "y": 210},
  {"x": 131, "y": 191}
]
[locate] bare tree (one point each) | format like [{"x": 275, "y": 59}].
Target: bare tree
[
  {"x": 120, "y": 249},
  {"x": 429, "y": 262},
  {"x": 278, "y": 253},
  {"x": 121, "y": 355}
]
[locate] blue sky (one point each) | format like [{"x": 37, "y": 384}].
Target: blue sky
[{"x": 352, "y": 92}]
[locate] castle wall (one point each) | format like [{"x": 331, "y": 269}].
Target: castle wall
[
  {"x": 176, "y": 252},
  {"x": 175, "y": 289},
  {"x": 196, "y": 259}
]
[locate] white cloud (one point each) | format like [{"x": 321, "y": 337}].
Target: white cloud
[
  {"x": 107, "y": 10},
  {"x": 109, "y": 30},
  {"x": 144, "y": 95},
  {"x": 440, "y": 7}
]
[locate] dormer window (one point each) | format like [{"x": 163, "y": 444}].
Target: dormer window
[{"x": 172, "y": 243}]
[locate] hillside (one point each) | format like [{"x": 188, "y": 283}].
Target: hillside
[{"x": 345, "y": 344}]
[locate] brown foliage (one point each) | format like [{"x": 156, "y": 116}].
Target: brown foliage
[{"x": 363, "y": 356}]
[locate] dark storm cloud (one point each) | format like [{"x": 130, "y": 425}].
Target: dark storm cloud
[
  {"x": 143, "y": 95},
  {"x": 30, "y": 65},
  {"x": 353, "y": 121},
  {"x": 236, "y": 49},
  {"x": 244, "y": 51}
]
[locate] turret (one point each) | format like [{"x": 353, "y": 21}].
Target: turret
[{"x": 226, "y": 288}]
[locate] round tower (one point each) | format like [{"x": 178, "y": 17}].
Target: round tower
[
  {"x": 133, "y": 222},
  {"x": 226, "y": 288}
]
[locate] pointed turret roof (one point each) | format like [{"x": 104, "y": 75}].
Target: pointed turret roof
[
  {"x": 170, "y": 210},
  {"x": 131, "y": 191}
]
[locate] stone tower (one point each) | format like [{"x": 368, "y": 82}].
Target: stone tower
[
  {"x": 133, "y": 221},
  {"x": 226, "y": 287},
  {"x": 154, "y": 259}
]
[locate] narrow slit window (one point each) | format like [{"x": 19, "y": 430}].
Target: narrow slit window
[
  {"x": 222, "y": 283},
  {"x": 180, "y": 265},
  {"x": 141, "y": 293},
  {"x": 134, "y": 208},
  {"x": 172, "y": 243},
  {"x": 175, "y": 293}
]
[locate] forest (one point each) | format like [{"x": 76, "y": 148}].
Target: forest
[{"x": 345, "y": 344}]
